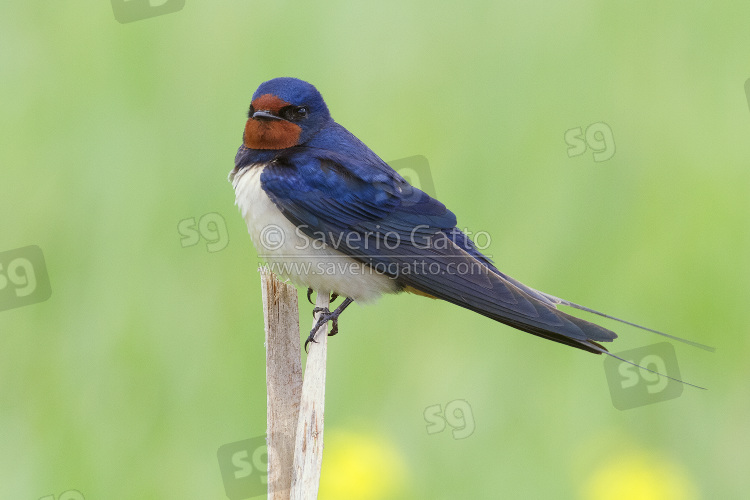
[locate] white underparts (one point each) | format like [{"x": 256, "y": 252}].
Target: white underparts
[{"x": 293, "y": 255}]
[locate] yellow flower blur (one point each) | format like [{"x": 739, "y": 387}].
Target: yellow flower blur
[
  {"x": 360, "y": 467},
  {"x": 639, "y": 475}
]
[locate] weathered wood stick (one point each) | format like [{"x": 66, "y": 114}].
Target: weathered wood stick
[{"x": 283, "y": 380}]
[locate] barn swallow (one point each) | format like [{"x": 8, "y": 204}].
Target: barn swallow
[{"x": 330, "y": 215}]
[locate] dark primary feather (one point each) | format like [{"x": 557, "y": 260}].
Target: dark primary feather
[{"x": 364, "y": 208}]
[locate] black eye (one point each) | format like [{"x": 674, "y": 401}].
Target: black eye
[
  {"x": 250, "y": 111},
  {"x": 293, "y": 113}
]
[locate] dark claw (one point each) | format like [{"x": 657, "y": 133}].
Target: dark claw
[
  {"x": 324, "y": 313},
  {"x": 334, "y": 328},
  {"x": 334, "y": 296},
  {"x": 308, "y": 341}
]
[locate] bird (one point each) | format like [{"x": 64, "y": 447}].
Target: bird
[{"x": 329, "y": 214}]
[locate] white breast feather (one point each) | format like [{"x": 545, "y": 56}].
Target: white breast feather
[{"x": 293, "y": 255}]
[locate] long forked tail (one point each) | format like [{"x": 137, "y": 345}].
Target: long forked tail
[
  {"x": 558, "y": 300},
  {"x": 555, "y": 301},
  {"x": 595, "y": 347}
]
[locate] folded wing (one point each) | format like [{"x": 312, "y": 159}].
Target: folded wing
[{"x": 376, "y": 217}]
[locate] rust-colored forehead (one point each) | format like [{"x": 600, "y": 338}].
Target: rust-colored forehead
[{"x": 269, "y": 102}]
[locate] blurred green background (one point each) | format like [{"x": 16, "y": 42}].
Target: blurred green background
[{"x": 149, "y": 355}]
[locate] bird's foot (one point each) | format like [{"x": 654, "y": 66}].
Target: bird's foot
[
  {"x": 327, "y": 315},
  {"x": 334, "y": 296}
]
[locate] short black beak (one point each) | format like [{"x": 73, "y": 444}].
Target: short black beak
[{"x": 265, "y": 115}]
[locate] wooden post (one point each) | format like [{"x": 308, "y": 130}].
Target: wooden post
[
  {"x": 283, "y": 380},
  {"x": 295, "y": 407}
]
